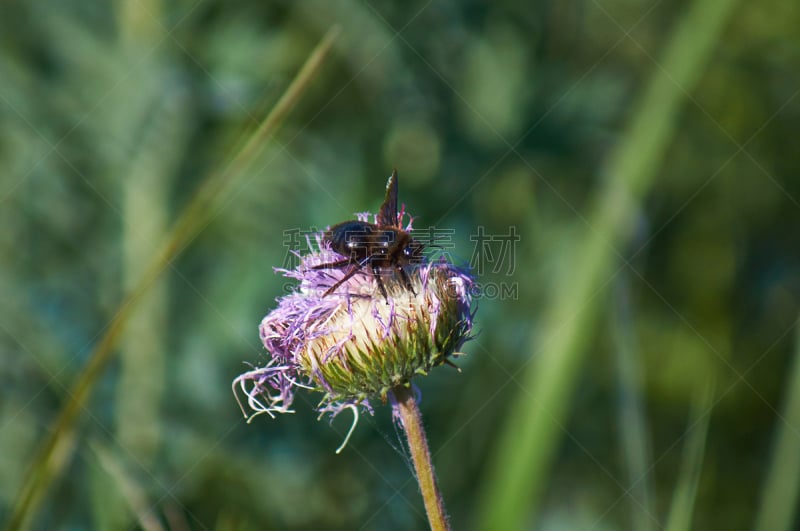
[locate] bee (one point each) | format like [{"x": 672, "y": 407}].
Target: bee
[{"x": 382, "y": 247}]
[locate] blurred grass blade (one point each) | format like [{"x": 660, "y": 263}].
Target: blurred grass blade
[
  {"x": 526, "y": 444},
  {"x": 53, "y": 455},
  {"x": 683, "y": 498},
  {"x": 779, "y": 495},
  {"x": 146, "y": 180},
  {"x": 133, "y": 493},
  {"x": 633, "y": 438}
]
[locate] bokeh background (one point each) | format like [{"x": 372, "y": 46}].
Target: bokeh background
[{"x": 636, "y": 364}]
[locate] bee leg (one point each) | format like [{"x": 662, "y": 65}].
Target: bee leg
[
  {"x": 334, "y": 265},
  {"x": 345, "y": 278},
  {"x": 376, "y": 272},
  {"x": 406, "y": 280}
]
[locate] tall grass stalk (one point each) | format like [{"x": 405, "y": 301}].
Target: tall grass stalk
[
  {"x": 631, "y": 418},
  {"x": 685, "y": 492},
  {"x": 158, "y": 147},
  {"x": 526, "y": 445},
  {"x": 778, "y": 508},
  {"x": 51, "y": 458}
]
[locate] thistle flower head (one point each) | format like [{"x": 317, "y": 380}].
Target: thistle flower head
[{"x": 354, "y": 344}]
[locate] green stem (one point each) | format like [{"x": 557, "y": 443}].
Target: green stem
[{"x": 411, "y": 419}]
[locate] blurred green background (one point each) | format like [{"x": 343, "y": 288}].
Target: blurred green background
[{"x": 638, "y": 373}]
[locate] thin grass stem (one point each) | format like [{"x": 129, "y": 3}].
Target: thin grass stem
[
  {"x": 779, "y": 496},
  {"x": 685, "y": 492}
]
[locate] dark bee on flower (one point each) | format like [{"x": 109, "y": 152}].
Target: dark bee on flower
[{"x": 383, "y": 248}]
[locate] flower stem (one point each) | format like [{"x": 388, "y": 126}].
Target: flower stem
[{"x": 411, "y": 419}]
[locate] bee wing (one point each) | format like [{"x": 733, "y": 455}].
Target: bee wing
[{"x": 388, "y": 212}]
